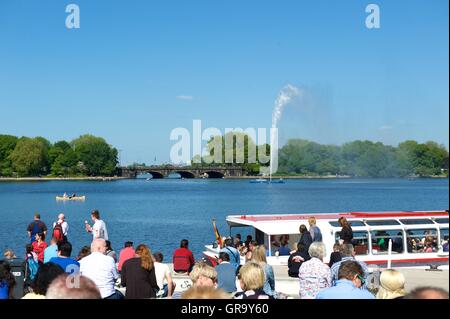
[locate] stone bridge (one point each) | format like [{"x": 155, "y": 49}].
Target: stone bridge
[{"x": 184, "y": 171}]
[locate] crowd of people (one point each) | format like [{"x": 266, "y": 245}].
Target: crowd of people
[{"x": 135, "y": 273}]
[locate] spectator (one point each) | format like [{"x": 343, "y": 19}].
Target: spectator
[
  {"x": 251, "y": 246},
  {"x": 36, "y": 226},
  {"x": 259, "y": 256},
  {"x": 204, "y": 292},
  {"x": 7, "y": 280},
  {"x": 284, "y": 249},
  {"x": 163, "y": 277},
  {"x": 51, "y": 251},
  {"x": 226, "y": 274},
  {"x": 98, "y": 230},
  {"x": 351, "y": 279},
  {"x": 233, "y": 253},
  {"x": 347, "y": 253},
  {"x": 138, "y": 275},
  {"x": 9, "y": 254},
  {"x": 392, "y": 285},
  {"x": 110, "y": 252},
  {"x": 314, "y": 274},
  {"x": 445, "y": 244},
  {"x": 39, "y": 246},
  {"x": 252, "y": 278},
  {"x": 101, "y": 269},
  {"x": 203, "y": 275},
  {"x": 296, "y": 259},
  {"x": 237, "y": 241},
  {"x": 44, "y": 277},
  {"x": 346, "y": 233},
  {"x": 60, "y": 228},
  {"x": 84, "y": 251},
  {"x": 335, "y": 255},
  {"x": 126, "y": 253},
  {"x": 248, "y": 240},
  {"x": 84, "y": 288},
  {"x": 427, "y": 293},
  {"x": 31, "y": 266},
  {"x": 63, "y": 259},
  {"x": 316, "y": 234},
  {"x": 183, "y": 259},
  {"x": 305, "y": 237}
]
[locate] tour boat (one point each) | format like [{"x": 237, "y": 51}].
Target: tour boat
[
  {"x": 395, "y": 238},
  {"x": 80, "y": 198}
]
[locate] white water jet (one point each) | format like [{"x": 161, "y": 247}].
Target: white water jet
[{"x": 284, "y": 98}]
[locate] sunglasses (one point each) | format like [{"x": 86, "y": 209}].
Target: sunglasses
[{"x": 361, "y": 278}]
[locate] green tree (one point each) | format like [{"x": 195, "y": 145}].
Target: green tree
[
  {"x": 7, "y": 145},
  {"x": 29, "y": 157}
]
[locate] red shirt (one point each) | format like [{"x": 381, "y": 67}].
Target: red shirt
[
  {"x": 125, "y": 254},
  {"x": 39, "y": 249},
  {"x": 183, "y": 259}
]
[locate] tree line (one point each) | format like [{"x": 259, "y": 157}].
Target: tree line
[{"x": 87, "y": 155}]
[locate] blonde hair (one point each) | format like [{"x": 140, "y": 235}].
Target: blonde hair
[
  {"x": 252, "y": 276},
  {"x": 9, "y": 254},
  {"x": 392, "y": 284},
  {"x": 146, "y": 256},
  {"x": 205, "y": 292},
  {"x": 312, "y": 221},
  {"x": 201, "y": 269},
  {"x": 259, "y": 254}
]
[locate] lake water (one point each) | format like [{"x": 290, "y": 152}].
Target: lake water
[{"x": 162, "y": 212}]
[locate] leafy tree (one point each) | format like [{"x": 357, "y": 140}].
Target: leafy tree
[
  {"x": 29, "y": 157},
  {"x": 7, "y": 145}
]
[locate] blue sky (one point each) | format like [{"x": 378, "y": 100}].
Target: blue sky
[{"x": 135, "y": 70}]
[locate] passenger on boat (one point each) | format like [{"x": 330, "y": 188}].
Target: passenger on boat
[
  {"x": 347, "y": 253},
  {"x": 248, "y": 255},
  {"x": 251, "y": 278},
  {"x": 237, "y": 241},
  {"x": 445, "y": 244},
  {"x": 305, "y": 237},
  {"x": 315, "y": 232},
  {"x": 346, "y": 233},
  {"x": 284, "y": 249},
  {"x": 296, "y": 259},
  {"x": 235, "y": 256}
]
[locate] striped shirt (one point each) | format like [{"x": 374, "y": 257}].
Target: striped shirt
[{"x": 335, "y": 269}]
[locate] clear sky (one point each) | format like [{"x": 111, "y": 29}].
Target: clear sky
[{"x": 135, "y": 70}]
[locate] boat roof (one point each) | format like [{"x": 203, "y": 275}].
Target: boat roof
[{"x": 275, "y": 224}]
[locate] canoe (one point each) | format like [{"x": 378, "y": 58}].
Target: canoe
[{"x": 68, "y": 198}]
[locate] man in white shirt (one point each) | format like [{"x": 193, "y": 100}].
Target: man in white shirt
[
  {"x": 101, "y": 269},
  {"x": 98, "y": 230},
  {"x": 63, "y": 223},
  {"x": 163, "y": 273}
]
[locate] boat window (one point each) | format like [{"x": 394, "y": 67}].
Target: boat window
[
  {"x": 416, "y": 221},
  {"x": 441, "y": 220},
  {"x": 283, "y": 244},
  {"x": 353, "y": 223},
  {"x": 380, "y": 241},
  {"x": 360, "y": 242},
  {"x": 444, "y": 239},
  {"x": 387, "y": 222},
  {"x": 422, "y": 240}
]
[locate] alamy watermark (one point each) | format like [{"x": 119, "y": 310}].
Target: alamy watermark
[
  {"x": 373, "y": 19},
  {"x": 73, "y": 19}
]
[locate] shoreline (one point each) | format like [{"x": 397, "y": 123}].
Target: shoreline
[{"x": 42, "y": 179}]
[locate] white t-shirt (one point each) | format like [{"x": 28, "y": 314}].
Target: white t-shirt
[
  {"x": 99, "y": 230},
  {"x": 64, "y": 226},
  {"x": 161, "y": 270},
  {"x": 102, "y": 270}
]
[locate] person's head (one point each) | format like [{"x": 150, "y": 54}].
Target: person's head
[
  {"x": 249, "y": 238},
  {"x": 64, "y": 249},
  {"x": 302, "y": 229},
  {"x": 158, "y": 257},
  {"x": 223, "y": 256},
  {"x": 251, "y": 276},
  {"x": 53, "y": 241},
  {"x": 44, "y": 277},
  {"x": 40, "y": 236},
  {"x": 446, "y": 238},
  {"x": 95, "y": 215},
  {"x": 98, "y": 245},
  {"x": 343, "y": 222},
  {"x": 351, "y": 270},
  {"x": 347, "y": 250},
  {"x": 203, "y": 275},
  {"x": 336, "y": 247},
  {"x": 284, "y": 240},
  {"x": 29, "y": 248},
  {"x": 108, "y": 245},
  {"x": 143, "y": 252},
  {"x": 312, "y": 221},
  {"x": 392, "y": 284},
  {"x": 128, "y": 244},
  {"x": 37, "y": 216},
  {"x": 61, "y": 217},
  {"x": 184, "y": 243},
  {"x": 85, "y": 251},
  {"x": 228, "y": 242},
  {"x": 428, "y": 293},
  {"x": 238, "y": 236},
  {"x": 6, "y": 276},
  {"x": 9, "y": 254},
  {"x": 252, "y": 245},
  {"x": 259, "y": 254},
  {"x": 205, "y": 292},
  {"x": 80, "y": 288},
  {"x": 317, "y": 250}
]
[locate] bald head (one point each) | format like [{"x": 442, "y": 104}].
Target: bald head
[
  {"x": 61, "y": 216},
  {"x": 98, "y": 245}
]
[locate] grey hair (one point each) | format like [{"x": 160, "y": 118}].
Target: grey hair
[{"x": 318, "y": 250}]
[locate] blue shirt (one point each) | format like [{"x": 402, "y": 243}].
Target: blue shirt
[
  {"x": 50, "y": 252},
  {"x": 344, "y": 289},
  {"x": 235, "y": 257},
  {"x": 64, "y": 262},
  {"x": 4, "y": 290},
  {"x": 226, "y": 277}
]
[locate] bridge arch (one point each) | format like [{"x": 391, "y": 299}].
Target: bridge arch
[
  {"x": 156, "y": 175},
  {"x": 185, "y": 174},
  {"x": 214, "y": 174}
]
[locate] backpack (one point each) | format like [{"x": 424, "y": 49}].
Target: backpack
[
  {"x": 33, "y": 267},
  {"x": 58, "y": 232}
]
